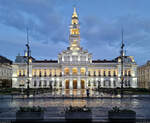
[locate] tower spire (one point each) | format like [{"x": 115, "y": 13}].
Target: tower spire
[
  {"x": 74, "y": 13},
  {"x": 74, "y": 32}
]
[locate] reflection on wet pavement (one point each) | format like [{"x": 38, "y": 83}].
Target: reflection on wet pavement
[{"x": 55, "y": 106}]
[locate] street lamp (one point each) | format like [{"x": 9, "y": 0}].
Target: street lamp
[{"x": 122, "y": 62}]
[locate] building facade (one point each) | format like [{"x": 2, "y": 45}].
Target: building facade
[
  {"x": 5, "y": 72},
  {"x": 144, "y": 75},
  {"x": 75, "y": 68}
]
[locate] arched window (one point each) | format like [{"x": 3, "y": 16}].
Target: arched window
[
  {"x": 66, "y": 71},
  {"x": 99, "y": 73},
  {"x": 82, "y": 70},
  {"x": 114, "y": 73},
  {"x": 74, "y": 71},
  {"x": 45, "y": 73},
  {"x": 125, "y": 72},
  {"x": 104, "y": 73},
  {"x": 40, "y": 74},
  {"x": 129, "y": 73}
]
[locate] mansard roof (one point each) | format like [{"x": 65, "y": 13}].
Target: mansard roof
[
  {"x": 104, "y": 61},
  {"x": 45, "y": 61},
  {"x": 5, "y": 60}
]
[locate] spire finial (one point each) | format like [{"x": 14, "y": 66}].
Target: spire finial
[{"x": 74, "y": 13}]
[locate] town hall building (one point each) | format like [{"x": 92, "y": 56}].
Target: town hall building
[{"x": 74, "y": 69}]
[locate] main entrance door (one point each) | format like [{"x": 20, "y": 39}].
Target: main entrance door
[
  {"x": 74, "y": 84},
  {"x": 82, "y": 84},
  {"x": 67, "y": 84}
]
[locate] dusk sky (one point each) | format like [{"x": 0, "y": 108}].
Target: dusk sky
[{"x": 101, "y": 22}]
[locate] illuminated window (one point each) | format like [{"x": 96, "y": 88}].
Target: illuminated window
[
  {"x": 35, "y": 83},
  {"x": 45, "y": 73},
  {"x": 114, "y": 73},
  {"x": 109, "y": 74},
  {"x": 66, "y": 71},
  {"x": 82, "y": 71},
  {"x": 129, "y": 73},
  {"x": 99, "y": 73},
  {"x": 104, "y": 73},
  {"x": 74, "y": 71}
]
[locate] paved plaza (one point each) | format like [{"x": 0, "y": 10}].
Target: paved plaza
[{"x": 54, "y": 106}]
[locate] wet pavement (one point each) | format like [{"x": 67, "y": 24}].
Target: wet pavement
[{"x": 55, "y": 107}]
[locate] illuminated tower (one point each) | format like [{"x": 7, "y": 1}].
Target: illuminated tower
[{"x": 74, "y": 36}]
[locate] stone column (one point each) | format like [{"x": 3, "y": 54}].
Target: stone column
[
  {"x": 86, "y": 71},
  {"x": 63, "y": 84},
  {"x": 102, "y": 82},
  {"x": 70, "y": 71},
  {"x": 70, "y": 84},
  {"x": 79, "y": 83},
  {"x": 112, "y": 83}
]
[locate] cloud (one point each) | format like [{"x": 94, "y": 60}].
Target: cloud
[
  {"x": 38, "y": 15},
  {"x": 101, "y": 36}
]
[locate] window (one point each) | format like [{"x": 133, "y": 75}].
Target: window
[
  {"x": 19, "y": 72},
  {"x": 89, "y": 73},
  {"x": 94, "y": 73},
  {"x": 104, "y": 83},
  {"x": 104, "y": 73},
  {"x": 34, "y": 73},
  {"x": 55, "y": 83},
  {"x": 35, "y": 83},
  {"x": 94, "y": 83},
  {"x": 82, "y": 71},
  {"x": 23, "y": 72},
  {"x": 74, "y": 71},
  {"x": 129, "y": 73},
  {"x": 40, "y": 83},
  {"x": 109, "y": 74},
  {"x": 50, "y": 74},
  {"x": 40, "y": 74},
  {"x": 109, "y": 82},
  {"x": 45, "y": 83},
  {"x": 45, "y": 74},
  {"x": 99, "y": 73},
  {"x": 114, "y": 73},
  {"x": 114, "y": 83},
  {"x": 126, "y": 83},
  {"x": 125, "y": 72},
  {"x": 66, "y": 71},
  {"x": 60, "y": 84},
  {"x": 129, "y": 83},
  {"x": 89, "y": 83}
]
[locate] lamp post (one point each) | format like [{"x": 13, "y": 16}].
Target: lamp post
[
  {"x": 122, "y": 62},
  {"x": 28, "y": 81}
]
